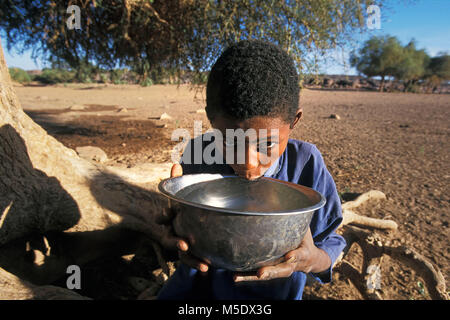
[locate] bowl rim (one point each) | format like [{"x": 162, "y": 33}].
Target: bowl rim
[{"x": 301, "y": 188}]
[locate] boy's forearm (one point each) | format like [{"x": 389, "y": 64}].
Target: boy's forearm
[{"x": 322, "y": 261}]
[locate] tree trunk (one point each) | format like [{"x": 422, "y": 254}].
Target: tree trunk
[
  {"x": 382, "y": 84},
  {"x": 45, "y": 186}
]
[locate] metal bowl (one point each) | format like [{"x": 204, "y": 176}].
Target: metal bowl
[{"x": 238, "y": 224}]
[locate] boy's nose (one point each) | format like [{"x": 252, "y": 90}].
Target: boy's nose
[{"x": 251, "y": 158}]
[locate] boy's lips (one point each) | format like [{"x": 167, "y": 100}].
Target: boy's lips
[{"x": 248, "y": 175}]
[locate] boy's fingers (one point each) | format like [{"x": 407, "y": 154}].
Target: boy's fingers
[
  {"x": 245, "y": 276},
  {"x": 176, "y": 170},
  {"x": 182, "y": 245},
  {"x": 166, "y": 217},
  {"x": 170, "y": 242},
  {"x": 282, "y": 270},
  {"x": 192, "y": 262}
]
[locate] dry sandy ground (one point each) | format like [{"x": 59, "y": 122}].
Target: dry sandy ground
[{"x": 396, "y": 143}]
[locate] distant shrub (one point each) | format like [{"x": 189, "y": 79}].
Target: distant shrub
[
  {"x": 19, "y": 75},
  {"x": 53, "y": 76},
  {"x": 413, "y": 88},
  {"x": 147, "y": 82},
  {"x": 104, "y": 77},
  {"x": 116, "y": 76},
  {"x": 199, "y": 78}
]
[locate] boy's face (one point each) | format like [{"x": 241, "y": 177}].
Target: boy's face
[{"x": 262, "y": 152}]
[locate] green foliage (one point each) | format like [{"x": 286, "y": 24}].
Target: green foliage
[
  {"x": 379, "y": 56},
  {"x": 116, "y": 76},
  {"x": 177, "y": 35},
  {"x": 19, "y": 75},
  {"x": 200, "y": 78},
  {"x": 147, "y": 82},
  {"x": 440, "y": 67},
  {"x": 104, "y": 77},
  {"x": 385, "y": 56},
  {"x": 53, "y": 76},
  {"x": 413, "y": 64}
]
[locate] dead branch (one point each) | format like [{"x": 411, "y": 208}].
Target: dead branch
[
  {"x": 373, "y": 250},
  {"x": 350, "y": 217},
  {"x": 370, "y": 195},
  {"x": 159, "y": 256},
  {"x": 432, "y": 276}
]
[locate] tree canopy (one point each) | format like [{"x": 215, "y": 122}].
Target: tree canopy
[
  {"x": 379, "y": 56},
  {"x": 176, "y": 34},
  {"x": 385, "y": 56}
]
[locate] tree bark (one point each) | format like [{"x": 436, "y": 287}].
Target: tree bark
[
  {"x": 382, "y": 84},
  {"x": 45, "y": 186},
  {"x": 14, "y": 288}
]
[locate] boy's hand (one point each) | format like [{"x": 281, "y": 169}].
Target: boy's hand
[
  {"x": 306, "y": 258},
  {"x": 173, "y": 242}
]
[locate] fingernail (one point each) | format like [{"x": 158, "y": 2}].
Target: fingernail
[
  {"x": 265, "y": 275},
  {"x": 182, "y": 246},
  {"x": 291, "y": 259}
]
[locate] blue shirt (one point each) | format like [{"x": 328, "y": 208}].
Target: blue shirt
[{"x": 300, "y": 163}]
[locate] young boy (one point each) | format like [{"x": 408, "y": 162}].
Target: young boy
[{"x": 254, "y": 85}]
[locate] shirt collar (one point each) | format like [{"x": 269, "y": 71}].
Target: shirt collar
[{"x": 273, "y": 169}]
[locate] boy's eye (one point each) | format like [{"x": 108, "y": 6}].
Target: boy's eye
[
  {"x": 261, "y": 147},
  {"x": 266, "y": 146}
]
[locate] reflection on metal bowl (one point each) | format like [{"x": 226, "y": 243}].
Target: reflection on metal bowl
[{"x": 238, "y": 224}]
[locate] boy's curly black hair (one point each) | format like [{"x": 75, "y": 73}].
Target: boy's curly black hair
[{"x": 253, "y": 78}]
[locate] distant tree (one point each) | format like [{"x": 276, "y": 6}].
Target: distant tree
[
  {"x": 379, "y": 56},
  {"x": 438, "y": 70},
  {"x": 440, "y": 66},
  {"x": 53, "y": 76},
  {"x": 412, "y": 67},
  {"x": 19, "y": 75},
  {"x": 180, "y": 35}
]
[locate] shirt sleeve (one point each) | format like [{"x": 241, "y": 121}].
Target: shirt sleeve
[{"x": 325, "y": 220}]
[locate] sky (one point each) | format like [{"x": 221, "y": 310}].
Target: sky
[{"x": 427, "y": 21}]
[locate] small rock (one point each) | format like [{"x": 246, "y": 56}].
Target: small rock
[
  {"x": 172, "y": 267},
  {"x": 165, "y": 116},
  {"x": 92, "y": 153},
  {"x": 42, "y": 98},
  {"x": 76, "y": 107},
  {"x": 327, "y": 82},
  {"x": 150, "y": 293},
  {"x": 139, "y": 284},
  {"x": 160, "y": 276},
  {"x": 128, "y": 257},
  {"x": 335, "y": 116},
  {"x": 39, "y": 258},
  {"x": 122, "y": 110},
  {"x": 124, "y": 144}
]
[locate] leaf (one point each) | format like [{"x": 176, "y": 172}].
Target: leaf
[{"x": 421, "y": 287}]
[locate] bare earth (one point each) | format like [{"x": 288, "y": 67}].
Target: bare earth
[{"x": 393, "y": 142}]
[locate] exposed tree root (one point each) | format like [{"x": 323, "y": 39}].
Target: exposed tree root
[
  {"x": 374, "y": 248},
  {"x": 14, "y": 288}
]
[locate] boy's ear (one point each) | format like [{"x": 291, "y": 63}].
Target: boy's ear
[{"x": 297, "y": 118}]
